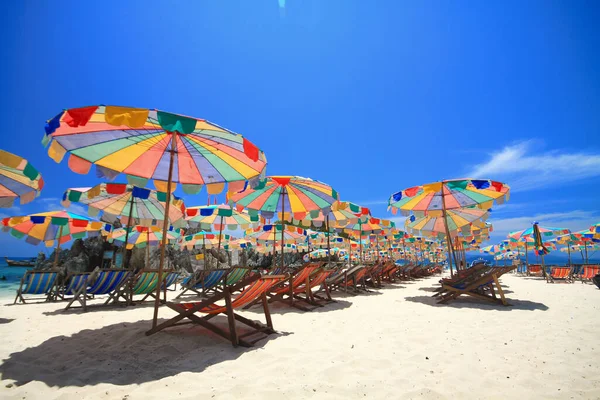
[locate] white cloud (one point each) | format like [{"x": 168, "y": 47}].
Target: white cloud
[
  {"x": 10, "y": 211},
  {"x": 524, "y": 167},
  {"x": 53, "y": 204},
  {"x": 574, "y": 220}
]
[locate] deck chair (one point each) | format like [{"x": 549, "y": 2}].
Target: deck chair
[
  {"x": 286, "y": 292},
  {"x": 318, "y": 281},
  {"x": 203, "y": 281},
  {"x": 534, "y": 270},
  {"x": 107, "y": 281},
  {"x": 144, "y": 284},
  {"x": 344, "y": 279},
  {"x": 481, "y": 284},
  {"x": 254, "y": 287},
  {"x": 589, "y": 272},
  {"x": 560, "y": 273},
  {"x": 232, "y": 277},
  {"x": 38, "y": 283},
  {"x": 73, "y": 283}
]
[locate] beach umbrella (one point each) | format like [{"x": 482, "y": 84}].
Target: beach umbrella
[
  {"x": 53, "y": 227},
  {"x": 439, "y": 197},
  {"x": 372, "y": 226},
  {"x": 493, "y": 249},
  {"x": 535, "y": 234},
  {"x": 142, "y": 236},
  {"x": 459, "y": 220},
  {"x": 148, "y": 144},
  {"x": 18, "y": 179},
  {"x": 219, "y": 217},
  {"x": 286, "y": 198},
  {"x": 139, "y": 206},
  {"x": 595, "y": 228}
]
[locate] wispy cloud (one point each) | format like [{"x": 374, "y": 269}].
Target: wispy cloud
[
  {"x": 574, "y": 220},
  {"x": 53, "y": 204},
  {"x": 524, "y": 167}
]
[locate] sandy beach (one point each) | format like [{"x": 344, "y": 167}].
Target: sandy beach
[{"x": 392, "y": 343}]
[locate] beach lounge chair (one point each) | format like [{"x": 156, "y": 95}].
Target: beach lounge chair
[
  {"x": 254, "y": 287},
  {"x": 345, "y": 279},
  {"x": 287, "y": 291},
  {"x": 108, "y": 281},
  {"x": 589, "y": 272},
  {"x": 38, "y": 283},
  {"x": 73, "y": 283},
  {"x": 560, "y": 273},
  {"x": 144, "y": 284},
  {"x": 534, "y": 270},
  {"x": 202, "y": 281},
  {"x": 481, "y": 283},
  {"x": 232, "y": 277}
]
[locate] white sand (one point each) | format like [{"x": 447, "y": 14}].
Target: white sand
[{"x": 393, "y": 343}]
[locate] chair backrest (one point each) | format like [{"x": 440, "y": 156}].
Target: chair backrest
[
  {"x": 257, "y": 285},
  {"x": 235, "y": 275},
  {"x": 170, "y": 279},
  {"x": 535, "y": 268},
  {"x": 145, "y": 282},
  {"x": 108, "y": 280},
  {"x": 75, "y": 282},
  {"x": 301, "y": 276},
  {"x": 589, "y": 271},
  {"x": 210, "y": 279},
  {"x": 39, "y": 282}
]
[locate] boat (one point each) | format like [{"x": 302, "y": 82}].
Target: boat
[{"x": 20, "y": 263}]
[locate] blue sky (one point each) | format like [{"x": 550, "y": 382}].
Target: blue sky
[{"x": 370, "y": 97}]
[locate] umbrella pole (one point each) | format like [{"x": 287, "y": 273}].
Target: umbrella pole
[
  {"x": 328, "y": 243},
  {"x": 124, "y": 263},
  {"x": 204, "y": 250},
  {"x": 569, "y": 251},
  {"x": 220, "y": 234},
  {"x": 586, "y": 254},
  {"x": 448, "y": 238},
  {"x": 147, "y": 248},
  {"x": 57, "y": 247},
  {"x": 282, "y": 226},
  {"x": 526, "y": 257},
  {"x": 165, "y": 226}
]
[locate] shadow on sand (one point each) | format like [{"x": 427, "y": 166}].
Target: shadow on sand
[
  {"x": 5, "y": 320},
  {"x": 467, "y": 302},
  {"x": 281, "y": 308},
  {"x": 121, "y": 354}
]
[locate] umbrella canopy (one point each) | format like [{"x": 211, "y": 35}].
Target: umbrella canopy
[
  {"x": 324, "y": 253},
  {"x": 294, "y": 196},
  {"x": 200, "y": 240},
  {"x": 219, "y": 217},
  {"x": 142, "y": 236},
  {"x": 52, "y": 226},
  {"x": 595, "y": 228},
  {"x": 544, "y": 231},
  {"x": 457, "y": 193},
  {"x": 18, "y": 179},
  {"x": 456, "y": 219},
  {"x": 144, "y": 206},
  {"x": 273, "y": 233},
  {"x": 494, "y": 249},
  {"x": 138, "y": 142},
  {"x": 148, "y": 144}
]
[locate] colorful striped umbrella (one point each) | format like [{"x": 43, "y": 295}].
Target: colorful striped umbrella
[
  {"x": 530, "y": 232},
  {"x": 142, "y": 236},
  {"x": 203, "y": 240},
  {"x": 53, "y": 227},
  {"x": 140, "y": 206},
  {"x": 595, "y": 228},
  {"x": 435, "y": 199},
  {"x": 458, "y": 220},
  {"x": 288, "y": 198},
  {"x": 493, "y": 249},
  {"x": 220, "y": 217},
  {"x": 269, "y": 233},
  {"x": 18, "y": 179},
  {"x": 148, "y": 144}
]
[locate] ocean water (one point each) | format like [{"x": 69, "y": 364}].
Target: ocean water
[{"x": 10, "y": 277}]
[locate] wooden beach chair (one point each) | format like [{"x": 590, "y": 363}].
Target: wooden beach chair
[
  {"x": 534, "y": 270},
  {"x": 296, "y": 283},
  {"x": 202, "y": 281},
  {"x": 254, "y": 287},
  {"x": 481, "y": 284},
  {"x": 144, "y": 284},
  {"x": 231, "y": 277},
  {"x": 73, "y": 283},
  {"x": 560, "y": 273},
  {"x": 108, "y": 281},
  {"x": 38, "y": 283},
  {"x": 589, "y": 272}
]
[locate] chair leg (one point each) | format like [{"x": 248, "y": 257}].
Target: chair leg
[
  {"x": 230, "y": 318},
  {"x": 500, "y": 291},
  {"x": 266, "y": 310}
]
